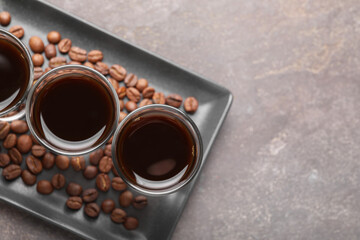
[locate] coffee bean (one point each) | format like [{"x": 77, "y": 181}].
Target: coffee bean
[
  {"x": 19, "y": 126},
  {"x": 48, "y": 160},
  {"x": 37, "y": 59},
  {"x": 78, "y": 163},
  {"x": 191, "y": 104},
  {"x": 77, "y": 54},
  {"x": 122, "y": 104},
  {"x": 107, "y": 150},
  {"x": 114, "y": 83},
  {"x": 103, "y": 182},
  {"x": 44, "y": 187},
  {"x": 36, "y": 44},
  {"x": 131, "y": 223},
  {"x": 50, "y": 51},
  {"x": 158, "y": 98},
  {"x": 74, "y": 189},
  {"x": 92, "y": 210},
  {"x": 130, "y": 80},
  {"x": 64, "y": 45},
  {"x": 5, "y": 18},
  {"x": 118, "y": 72},
  {"x": 95, "y": 56},
  {"x": 142, "y": 84},
  {"x": 57, "y": 62},
  {"x": 108, "y": 205},
  {"x": 102, "y": 68},
  {"x": 140, "y": 202},
  {"x": 11, "y": 172},
  {"x": 17, "y": 30},
  {"x": 148, "y": 92},
  {"x": 118, "y": 184},
  {"x": 90, "y": 195},
  {"x": 74, "y": 63},
  {"x": 24, "y": 143},
  {"x": 122, "y": 116},
  {"x": 89, "y": 64},
  {"x": 133, "y": 94},
  {"x": 105, "y": 164},
  {"x": 174, "y": 100},
  {"x": 118, "y": 215},
  {"x": 4, "y": 160},
  {"x": 90, "y": 172},
  {"x": 10, "y": 141},
  {"x": 74, "y": 203},
  {"x": 28, "y": 178},
  {"x": 95, "y": 157},
  {"x": 126, "y": 198},
  {"x": 38, "y": 151},
  {"x": 58, "y": 181},
  {"x": 121, "y": 92},
  {"x": 4, "y": 129},
  {"x": 38, "y": 72},
  {"x": 54, "y": 37},
  {"x": 15, "y": 156},
  {"x": 145, "y": 102},
  {"x": 47, "y": 69},
  {"x": 130, "y": 106},
  {"x": 62, "y": 162},
  {"x": 33, "y": 164}
]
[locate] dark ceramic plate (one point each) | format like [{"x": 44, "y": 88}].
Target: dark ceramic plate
[{"x": 159, "y": 218}]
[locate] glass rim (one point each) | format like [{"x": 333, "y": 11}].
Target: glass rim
[
  {"x": 58, "y": 150},
  {"x": 177, "y": 186}
]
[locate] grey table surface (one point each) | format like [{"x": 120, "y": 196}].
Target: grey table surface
[{"x": 286, "y": 162}]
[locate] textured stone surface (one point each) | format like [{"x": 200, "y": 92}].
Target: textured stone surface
[{"x": 286, "y": 162}]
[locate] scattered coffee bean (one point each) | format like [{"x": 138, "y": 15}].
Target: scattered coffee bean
[
  {"x": 114, "y": 83},
  {"x": 95, "y": 56},
  {"x": 105, "y": 164},
  {"x": 50, "y": 51},
  {"x": 130, "y": 106},
  {"x": 78, "y": 163},
  {"x": 148, "y": 92},
  {"x": 90, "y": 172},
  {"x": 36, "y": 44},
  {"x": 58, "y": 181},
  {"x": 10, "y": 141},
  {"x": 4, "y": 159},
  {"x": 122, "y": 104},
  {"x": 62, "y": 162},
  {"x": 74, "y": 189},
  {"x": 74, "y": 203},
  {"x": 131, "y": 223},
  {"x": 130, "y": 80},
  {"x": 4, "y": 129},
  {"x": 38, "y": 72},
  {"x": 37, "y": 59},
  {"x": 103, "y": 182},
  {"x": 142, "y": 84},
  {"x": 174, "y": 100},
  {"x": 133, "y": 94},
  {"x": 92, "y": 210},
  {"x": 24, "y": 143},
  {"x": 28, "y": 178},
  {"x": 126, "y": 198},
  {"x": 191, "y": 104},
  {"x": 38, "y": 150},
  {"x": 108, "y": 205},
  {"x": 74, "y": 63},
  {"x": 118, "y": 215},
  {"x": 118, "y": 184},
  {"x": 117, "y": 72},
  {"x": 90, "y": 195},
  {"x": 158, "y": 98},
  {"x": 57, "y": 62},
  {"x": 102, "y": 68},
  {"x": 122, "y": 116},
  {"x": 95, "y": 157},
  {"x": 145, "y": 102},
  {"x": 140, "y": 202},
  {"x": 48, "y": 160},
  {"x": 77, "y": 54},
  {"x": 33, "y": 164},
  {"x": 44, "y": 187},
  {"x": 17, "y": 30},
  {"x": 64, "y": 45},
  {"x": 107, "y": 150},
  {"x": 11, "y": 172},
  {"x": 54, "y": 37},
  {"x": 15, "y": 156},
  {"x": 121, "y": 92},
  {"x": 19, "y": 126},
  {"x": 5, "y": 18},
  {"x": 89, "y": 64}
]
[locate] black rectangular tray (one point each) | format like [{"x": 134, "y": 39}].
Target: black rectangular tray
[{"x": 159, "y": 218}]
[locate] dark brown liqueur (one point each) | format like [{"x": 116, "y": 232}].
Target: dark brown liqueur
[
  {"x": 74, "y": 111},
  {"x": 14, "y": 74},
  {"x": 156, "y": 151}
]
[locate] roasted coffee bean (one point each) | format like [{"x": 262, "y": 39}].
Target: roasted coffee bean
[
  {"x": 74, "y": 189},
  {"x": 4, "y": 129},
  {"x": 77, "y": 54},
  {"x": 116, "y": 174},
  {"x": 5, "y": 18},
  {"x": 130, "y": 80},
  {"x": 36, "y": 44},
  {"x": 33, "y": 164},
  {"x": 15, "y": 156},
  {"x": 89, "y": 64},
  {"x": 90, "y": 195},
  {"x": 57, "y": 62},
  {"x": 95, "y": 56},
  {"x": 92, "y": 210},
  {"x": 107, "y": 150},
  {"x": 17, "y": 30},
  {"x": 133, "y": 94},
  {"x": 122, "y": 116},
  {"x": 38, "y": 151},
  {"x": 118, "y": 184},
  {"x": 19, "y": 126},
  {"x": 74, "y": 203},
  {"x": 44, "y": 187},
  {"x": 78, "y": 163},
  {"x": 28, "y": 178},
  {"x": 58, "y": 181},
  {"x": 74, "y": 63},
  {"x": 64, "y": 45},
  {"x": 48, "y": 160},
  {"x": 131, "y": 223},
  {"x": 142, "y": 84},
  {"x": 105, "y": 164},
  {"x": 47, "y": 69},
  {"x": 4, "y": 160},
  {"x": 11, "y": 172},
  {"x": 38, "y": 72},
  {"x": 62, "y": 162},
  {"x": 103, "y": 182},
  {"x": 130, "y": 106},
  {"x": 145, "y": 102},
  {"x": 158, "y": 98},
  {"x": 90, "y": 172},
  {"x": 191, "y": 104},
  {"x": 126, "y": 198},
  {"x": 114, "y": 83},
  {"x": 118, "y": 72},
  {"x": 148, "y": 92},
  {"x": 102, "y": 68},
  {"x": 118, "y": 215},
  {"x": 24, "y": 143},
  {"x": 108, "y": 205},
  {"x": 174, "y": 100},
  {"x": 140, "y": 202},
  {"x": 95, "y": 157},
  {"x": 37, "y": 59},
  {"x": 50, "y": 51},
  {"x": 121, "y": 92},
  {"x": 54, "y": 37},
  {"x": 10, "y": 141},
  {"x": 122, "y": 104}
]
